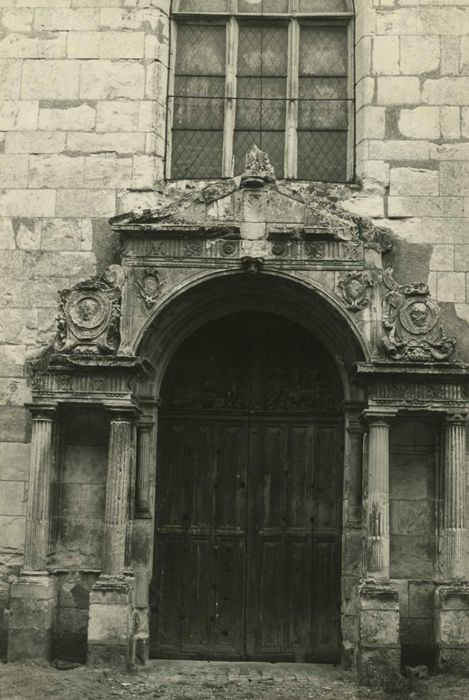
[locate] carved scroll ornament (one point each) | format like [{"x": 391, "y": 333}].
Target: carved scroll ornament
[
  {"x": 353, "y": 287},
  {"x": 88, "y": 320},
  {"x": 412, "y": 324},
  {"x": 148, "y": 287}
]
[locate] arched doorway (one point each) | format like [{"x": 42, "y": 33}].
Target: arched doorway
[{"x": 249, "y": 495}]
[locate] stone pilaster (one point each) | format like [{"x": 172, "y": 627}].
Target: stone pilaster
[
  {"x": 111, "y": 613},
  {"x": 377, "y": 511},
  {"x": 453, "y": 531},
  {"x": 452, "y": 597},
  {"x": 144, "y": 451},
  {"x": 34, "y": 595},
  {"x": 353, "y": 449},
  {"x": 117, "y": 493},
  {"x": 378, "y": 645},
  {"x": 39, "y": 492}
]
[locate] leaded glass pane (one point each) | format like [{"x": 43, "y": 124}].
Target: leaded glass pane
[
  {"x": 323, "y": 50},
  {"x": 260, "y": 109},
  {"x": 198, "y": 113},
  {"x": 262, "y": 50},
  {"x": 197, "y": 154},
  {"x": 326, "y": 6},
  {"x": 322, "y": 155},
  {"x": 201, "y": 49},
  {"x": 272, "y": 142},
  {"x": 265, "y": 7},
  {"x": 323, "y": 103}
]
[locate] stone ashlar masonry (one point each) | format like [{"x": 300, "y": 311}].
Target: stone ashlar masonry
[{"x": 82, "y": 122}]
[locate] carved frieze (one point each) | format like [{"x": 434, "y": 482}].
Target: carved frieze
[
  {"x": 88, "y": 320},
  {"x": 354, "y": 287},
  {"x": 148, "y": 287},
  {"x": 412, "y": 327}
]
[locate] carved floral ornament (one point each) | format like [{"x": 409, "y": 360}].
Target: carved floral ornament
[
  {"x": 412, "y": 328},
  {"x": 88, "y": 320}
]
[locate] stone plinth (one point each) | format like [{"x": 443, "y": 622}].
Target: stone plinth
[
  {"x": 32, "y": 616},
  {"x": 379, "y": 653},
  {"x": 111, "y": 622},
  {"x": 452, "y": 626}
]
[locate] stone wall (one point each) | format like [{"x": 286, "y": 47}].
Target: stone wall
[{"x": 82, "y": 124}]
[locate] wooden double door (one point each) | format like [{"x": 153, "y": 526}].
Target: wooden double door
[{"x": 248, "y": 504}]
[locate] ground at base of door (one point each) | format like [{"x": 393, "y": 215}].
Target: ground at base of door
[{"x": 192, "y": 680}]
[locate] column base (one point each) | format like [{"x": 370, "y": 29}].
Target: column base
[
  {"x": 33, "y": 603},
  {"x": 111, "y": 623},
  {"x": 378, "y": 645},
  {"x": 452, "y": 626}
]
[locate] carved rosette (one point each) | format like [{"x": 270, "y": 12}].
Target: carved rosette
[
  {"x": 412, "y": 325},
  {"x": 88, "y": 320},
  {"x": 353, "y": 287},
  {"x": 148, "y": 287}
]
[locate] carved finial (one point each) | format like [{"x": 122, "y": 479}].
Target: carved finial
[{"x": 258, "y": 169}]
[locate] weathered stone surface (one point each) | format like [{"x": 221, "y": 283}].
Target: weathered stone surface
[
  {"x": 12, "y": 498},
  {"x": 410, "y": 181},
  {"x": 398, "y": 90},
  {"x": 35, "y": 142},
  {"x": 420, "y": 122},
  {"x": 44, "y": 46},
  {"x": 78, "y": 203},
  {"x": 18, "y": 115},
  {"x": 105, "y": 44},
  {"x": 56, "y": 171},
  {"x": 13, "y": 171},
  {"x": 419, "y": 54},
  {"x": 104, "y": 80},
  {"x": 81, "y": 117},
  {"x": 11, "y": 80},
  {"x": 50, "y": 80},
  {"x": 13, "y": 529}
]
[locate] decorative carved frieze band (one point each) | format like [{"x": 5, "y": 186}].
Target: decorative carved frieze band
[
  {"x": 412, "y": 328},
  {"x": 88, "y": 320}
]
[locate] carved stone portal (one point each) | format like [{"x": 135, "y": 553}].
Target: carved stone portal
[
  {"x": 88, "y": 320},
  {"x": 412, "y": 324}
]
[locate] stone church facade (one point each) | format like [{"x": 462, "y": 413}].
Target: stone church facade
[{"x": 234, "y": 331}]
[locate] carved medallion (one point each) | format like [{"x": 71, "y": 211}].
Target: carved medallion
[
  {"x": 279, "y": 249},
  {"x": 89, "y": 314},
  {"x": 148, "y": 287},
  {"x": 193, "y": 249},
  {"x": 229, "y": 248},
  {"x": 412, "y": 324},
  {"x": 314, "y": 250}
]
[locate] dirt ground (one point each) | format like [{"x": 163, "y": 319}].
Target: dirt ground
[{"x": 163, "y": 680}]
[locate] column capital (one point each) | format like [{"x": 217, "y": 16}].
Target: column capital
[
  {"x": 379, "y": 415},
  {"x": 145, "y": 423},
  {"x": 122, "y": 414},
  {"x": 42, "y": 411},
  {"x": 456, "y": 417}
]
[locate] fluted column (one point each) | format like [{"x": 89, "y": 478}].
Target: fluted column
[
  {"x": 144, "y": 434},
  {"x": 40, "y": 476},
  {"x": 377, "y": 525},
  {"x": 453, "y": 534},
  {"x": 117, "y": 492}
]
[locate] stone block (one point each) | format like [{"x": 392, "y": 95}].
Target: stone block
[
  {"x": 7, "y": 235},
  {"x": 413, "y": 181},
  {"x": 415, "y": 517},
  {"x": 108, "y": 170},
  {"x": 12, "y": 361},
  {"x": 67, "y": 118},
  {"x": 445, "y": 91},
  {"x": 385, "y": 56},
  {"x": 116, "y": 18},
  {"x": 461, "y": 258},
  {"x": 450, "y": 121},
  {"x": 85, "y": 464},
  {"x": 451, "y": 21},
  {"x": 12, "y": 498},
  {"x": 90, "y": 203},
  {"x": 12, "y": 532},
  {"x": 419, "y": 54},
  {"x": 449, "y": 151},
  {"x": 10, "y": 84},
  {"x": 15, "y": 424},
  {"x": 451, "y": 286},
  {"x": 17, "y": 19},
  {"x": 104, "y": 80},
  {"x": 143, "y": 172},
  {"x": 119, "y": 45},
  {"x": 365, "y": 91},
  {"x": 20, "y": 115},
  {"x": 442, "y": 257},
  {"x": 370, "y": 123},
  {"x": 111, "y": 621},
  {"x": 55, "y": 19},
  {"x": 398, "y": 22},
  {"x": 421, "y": 122},
  {"x": 108, "y": 655},
  {"x": 39, "y": 47},
  {"x": 50, "y": 80},
  {"x": 13, "y": 170},
  {"x": 398, "y": 90},
  {"x": 27, "y": 203},
  {"x": 93, "y": 497},
  {"x": 117, "y": 115},
  {"x": 113, "y": 143},
  {"x": 379, "y": 628},
  {"x": 56, "y": 170},
  {"x": 449, "y": 64},
  {"x": 29, "y": 644},
  {"x": 399, "y": 150},
  {"x": 421, "y": 599},
  {"x": 62, "y": 234},
  {"x": 411, "y": 556},
  {"x": 425, "y": 206},
  {"x": 35, "y": 142}
]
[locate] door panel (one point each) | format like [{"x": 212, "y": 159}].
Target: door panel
[{"x": 248, "y": 507}]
